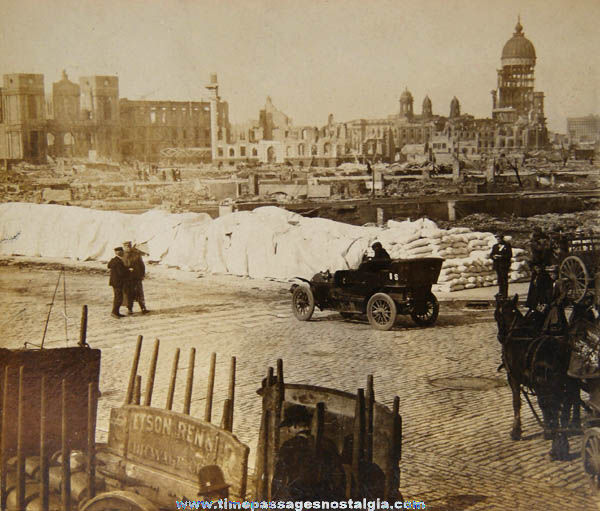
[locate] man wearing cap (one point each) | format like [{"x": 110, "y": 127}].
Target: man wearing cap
[
  {"x": 501, "y": 257},
  {"x": 303, "y": 471},
  {"x": 137, "y": 271},
  {"x": 118, "y": 278}
]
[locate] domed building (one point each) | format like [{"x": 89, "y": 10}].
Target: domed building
[{"x": 515, "y": 102}]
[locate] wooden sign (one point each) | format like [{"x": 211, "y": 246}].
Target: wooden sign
[{"x": 178, "y": 444}]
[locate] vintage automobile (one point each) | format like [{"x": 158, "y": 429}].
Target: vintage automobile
[{"x": 381, "y": 289}]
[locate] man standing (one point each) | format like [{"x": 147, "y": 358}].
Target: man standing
[
  {"x": 137, "y": 272},
  {"x": 118, "y": 278},
  {"x": 540, "y": 285},
  {"x": 501, "y": 256}
]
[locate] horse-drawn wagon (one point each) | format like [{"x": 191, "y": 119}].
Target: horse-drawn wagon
[
  {"x": 381, "y": 289},
  {"x": 580, "y": 266}
]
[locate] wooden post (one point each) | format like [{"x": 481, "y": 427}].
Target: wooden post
[
  {"x": 44, "y": 474},
  {"x": 370, "y": 397},
  {"x": 91, "y": 442},
  {"x": 83, "y": 326},
  {"x": 134, "y": 369},
  {"x": 151, "y": 375},
  {"x": 262, "y": 452},
  {"x": 20, "y": 444},
  {"x": 279, "y": 397},
  {"x": 226, "y": 418},
  {"x": 358, "y": 443},
  {"x": 190, "y": 382},
  {"x": 397, "y": 438},
  {"x": 392, "y": 480},
  {"x": 231, "y": 393},
  {"x": 210, "y": 387},
  {"x": 65, "y": 454},
  {"x": 171, "y": 393},
  {"x": 4, "y": 441},
  {"x": 137, "y": 391}
]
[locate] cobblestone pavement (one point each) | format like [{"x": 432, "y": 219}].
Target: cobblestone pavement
[{"x": 457, "y": 454}]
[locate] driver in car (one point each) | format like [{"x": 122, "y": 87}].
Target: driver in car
[{"x": 380, "y": 255}]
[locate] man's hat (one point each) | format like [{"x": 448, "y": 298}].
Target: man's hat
[
  {"x": 376, "y": 245},
  {"x": 118, "y": 249},
  {"x": 296, "y": 415}
]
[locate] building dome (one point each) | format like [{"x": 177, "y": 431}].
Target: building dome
[
  {"x": 518, "y": 46},
  {"x": 406, "y": 96}
]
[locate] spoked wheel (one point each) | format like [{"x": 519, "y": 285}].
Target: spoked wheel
[
  {"x": 303, "y": 303},
  {"x": 575, "y": 274},
  {"x": 381, "y": 311},
  {"x": 590, "y": 455},
  {"x": 119, "y": 501},
  {"x": 425, "y": 313}
]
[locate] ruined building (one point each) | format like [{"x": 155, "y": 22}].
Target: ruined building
[{"x": 23, "y": 118}]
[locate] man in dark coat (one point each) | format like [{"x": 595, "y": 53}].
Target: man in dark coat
[
  {"x": 118, "y": 278},
  {"x": 540, "y": 286},
  {"x": 380, "y": 253},
  {"x": 137, "y": 271},
  {"x": 303, "y": 472},
  {"x": 501, "y": 256}
]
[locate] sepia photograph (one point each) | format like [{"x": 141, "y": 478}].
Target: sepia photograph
[{"x": 299, "y": 254}]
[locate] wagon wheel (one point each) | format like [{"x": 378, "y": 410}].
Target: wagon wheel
[
  {"x": 303, "y": 303},
  {"x": 119, "y": 501},
  {"x": 425, "y": 313},
  {"x": 590, "y": 455},
  {"x": 574, "y": 272},
  {"x": 381, "y": 311}
]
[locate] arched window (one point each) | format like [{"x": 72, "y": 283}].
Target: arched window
[
  {"x": 254, "y": 152},
  {"x": 231, "y": 152},
  {"x": 327, "y": 148},
  {"x": 288, "y": 151},
  {"x": 300, "y": 149},
  {"x": 313, "y": 150}
]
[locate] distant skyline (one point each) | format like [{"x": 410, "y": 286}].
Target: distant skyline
[{"x": 351, "y": 58}]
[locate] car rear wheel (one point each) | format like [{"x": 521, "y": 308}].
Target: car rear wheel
[
  {"x": 381, "y": 311},
  {"x": 425, "y": 313},
  {"x": 303, "y": 303}
]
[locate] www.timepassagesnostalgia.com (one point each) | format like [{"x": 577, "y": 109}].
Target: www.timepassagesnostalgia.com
[{"x": 300, "y": 505}]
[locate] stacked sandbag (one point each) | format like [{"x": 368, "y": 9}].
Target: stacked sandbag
[{"x": 267, "y": 242}]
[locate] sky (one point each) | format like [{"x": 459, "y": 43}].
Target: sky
[{"x": 351, "y": 58}]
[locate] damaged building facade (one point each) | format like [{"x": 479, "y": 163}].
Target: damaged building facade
[
  {"x": 89, "y": 119},
  {"x": 517, "y": 123}
]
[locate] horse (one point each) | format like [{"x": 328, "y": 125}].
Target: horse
[{"x": 537, "y": 360}]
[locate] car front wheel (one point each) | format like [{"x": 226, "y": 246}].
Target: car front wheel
[
  {"x": 303, "y": 303},
  {"x": 381, "y": 311}
]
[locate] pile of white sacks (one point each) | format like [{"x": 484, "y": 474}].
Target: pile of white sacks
[{"x": 268, "y": 242}]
